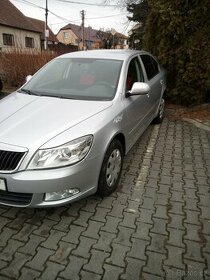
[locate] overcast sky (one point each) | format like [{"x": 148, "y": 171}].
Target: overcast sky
[{"x": 62, "y": 12}]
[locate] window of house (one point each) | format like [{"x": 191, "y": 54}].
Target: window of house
[
  {"x": 29, "y": 42},
  {"x": 65, "y": 35},
  {"x": 8, "y": 39},
  {"x": 150, "y": 66}
]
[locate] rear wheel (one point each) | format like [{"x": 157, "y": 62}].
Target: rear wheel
[
  {"x": 161, "y": 111},
  {"x": 111, "y": 169}
]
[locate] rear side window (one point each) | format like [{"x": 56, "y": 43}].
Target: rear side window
[{"x": 150, "y": 66}]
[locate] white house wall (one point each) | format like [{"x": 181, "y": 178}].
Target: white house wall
[{"x": 19, "y": 39}]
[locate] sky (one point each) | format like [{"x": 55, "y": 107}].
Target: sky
[{"x": 62, "y": 12}]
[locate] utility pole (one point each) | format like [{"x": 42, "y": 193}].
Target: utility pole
[
  {"x": 83, "y": 29},
  {"x": 46, "y": 30}
]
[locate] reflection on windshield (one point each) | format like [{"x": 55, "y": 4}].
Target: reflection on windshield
[{"x": 77, "y": 78}]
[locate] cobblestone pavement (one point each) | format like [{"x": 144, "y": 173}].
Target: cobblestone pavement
[{"x": 156, "y": 226}]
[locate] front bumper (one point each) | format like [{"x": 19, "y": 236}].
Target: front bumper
[{"x": 27, "y": 188}]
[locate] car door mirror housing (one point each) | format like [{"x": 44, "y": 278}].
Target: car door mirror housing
[{"x": 138, "y": 88}]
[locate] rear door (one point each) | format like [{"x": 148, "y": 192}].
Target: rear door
[{"x": 153, "y": 76}]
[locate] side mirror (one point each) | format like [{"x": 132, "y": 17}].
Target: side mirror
[
  {"x": 28, "y": 78},
  {"x": 138, "y": 88}
]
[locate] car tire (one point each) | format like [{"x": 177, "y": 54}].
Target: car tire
[
  {"x": 161, "y": 111},
  {"x": 111, "y": 169}
]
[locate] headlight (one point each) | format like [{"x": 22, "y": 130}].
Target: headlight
[{"x": 67, "y": 154}]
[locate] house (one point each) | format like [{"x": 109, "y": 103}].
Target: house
[
  {"x": 72, "y": 34},
  {"x": 40, "y": 26},
  {"x": 20, "y": 32},
  {"x": 93, "y": 39}
]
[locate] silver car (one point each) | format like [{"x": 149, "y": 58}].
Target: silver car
[{"x": 64, "y": 133}]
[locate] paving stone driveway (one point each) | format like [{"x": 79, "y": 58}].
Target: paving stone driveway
[{"x": 157, "y": 226}]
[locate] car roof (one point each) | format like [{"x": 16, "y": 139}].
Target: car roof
[{"x": 104, "y": 54}]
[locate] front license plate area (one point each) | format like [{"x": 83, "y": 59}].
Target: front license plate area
[{"x": 2, "y": 185}]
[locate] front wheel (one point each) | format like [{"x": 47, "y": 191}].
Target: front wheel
[
  {"x": 111, "y": 169},
  {"x": 161, "y": 111}
]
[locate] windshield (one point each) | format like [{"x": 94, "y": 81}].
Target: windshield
[{"x": 76, "y": 78}]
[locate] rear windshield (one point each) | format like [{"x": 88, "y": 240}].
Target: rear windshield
[{"x": 76, "y": 78}]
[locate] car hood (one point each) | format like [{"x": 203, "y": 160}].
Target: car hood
[{"x": 27, "y": 120}]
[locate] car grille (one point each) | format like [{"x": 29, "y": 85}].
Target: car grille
[
  {"x": 13, "y": 198},
  {"x": 10, "y": 160}
]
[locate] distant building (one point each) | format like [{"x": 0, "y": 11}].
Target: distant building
[
  {"x": 20, "y": 32},
  {"x": 93, "y": 39}
]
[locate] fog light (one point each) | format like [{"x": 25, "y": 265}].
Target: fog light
[{"x": 60, "y": 195}]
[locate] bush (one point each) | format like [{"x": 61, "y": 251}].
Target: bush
[
  {"x": 16, "y": 65},
  {"x": 177, "y": 33}
]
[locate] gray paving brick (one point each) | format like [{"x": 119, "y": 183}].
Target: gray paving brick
[
  {"x": 193, "y": 251},
  {"x": 161, "y": 212},
  {"x": 146, "y": 216},
  {"x": 176, "y": 221},
  {"x": 3, "y": 222},
  {"x": 27, "y": 273},
  {"x": 104, "y": 242},
  {"x": 83, "y": 218},
  {"x": 192, "y": 217},
  {"x": 123, "y": 236},
  {"x": 91, "y": 204},
  {"x": 13, "y": 270},
  {"x": 100, "y": 214},
  {"x": 106, "y": 202},
  {"x": 154, "y": 264},
  {"x": 138, "y": 249},
  {"x": 6, "y": 234},
  {"x": 129, "y": 220},
  {"x": 53, "y": 239},
  {"x": 142, "y": 231},
  {"x": 148, "y": 203},
  {"x": 192, "y": 232},
  {"x": 162, "y": 199},
  {"x": 24, "y": 233},
  {"x": 159, "y": 226},
  {"x": 133, "y": 269},
  {"x": 118, "y": 254},
  {"x": 194, "y": 270},
  {"x": 117, "y": 210},
  {"x": 73, "y": 234},
  {"x": 18, "y": 222},
  {"x": 56, "y": 213},
  {"x": 112, "y": 272},
  {"x": 133, "y": 207},
  {"x": 93, "y": 229},
  {"x": 176, "y": 207},
  {"x": 176, "y": 237},
  {"x": 39, "y": 260},
  {"x": 51, "y": 271},
  {"x": 44, "y": 229},
  {"x": 205, "y": 212},
  {"x": 10, "y": 212},
  {"x": 191, "y": 204},
  {"x": 64, "y": 223},
  {"x": 31, "y": 246},
  {"x": 73, "y": 268},
  {"x": 83, "y": 249},
  {"x": 111, "y": 224},
  {"x": 62, "y": 253},
  {"x": 37, "y": 217},
  {"x": 74, "y": 208},
  {"x": 96, "y": 261},
  {"x": 175, "y": 257},
  {"x": 85, "y": 275},
  {"x": 157, "y": 243},
  {"x": 8, "y": 252},
  {"x": 148, "y": 276}
]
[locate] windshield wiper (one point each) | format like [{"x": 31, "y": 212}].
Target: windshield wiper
[{"x": 28, "y": 91}]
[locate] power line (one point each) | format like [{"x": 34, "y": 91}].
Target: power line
[{"x": 87, "y": 4}]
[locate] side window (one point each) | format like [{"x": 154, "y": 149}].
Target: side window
[
  {"x": 150, "y": 66},
  {"x": 134, "y": 74}
]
